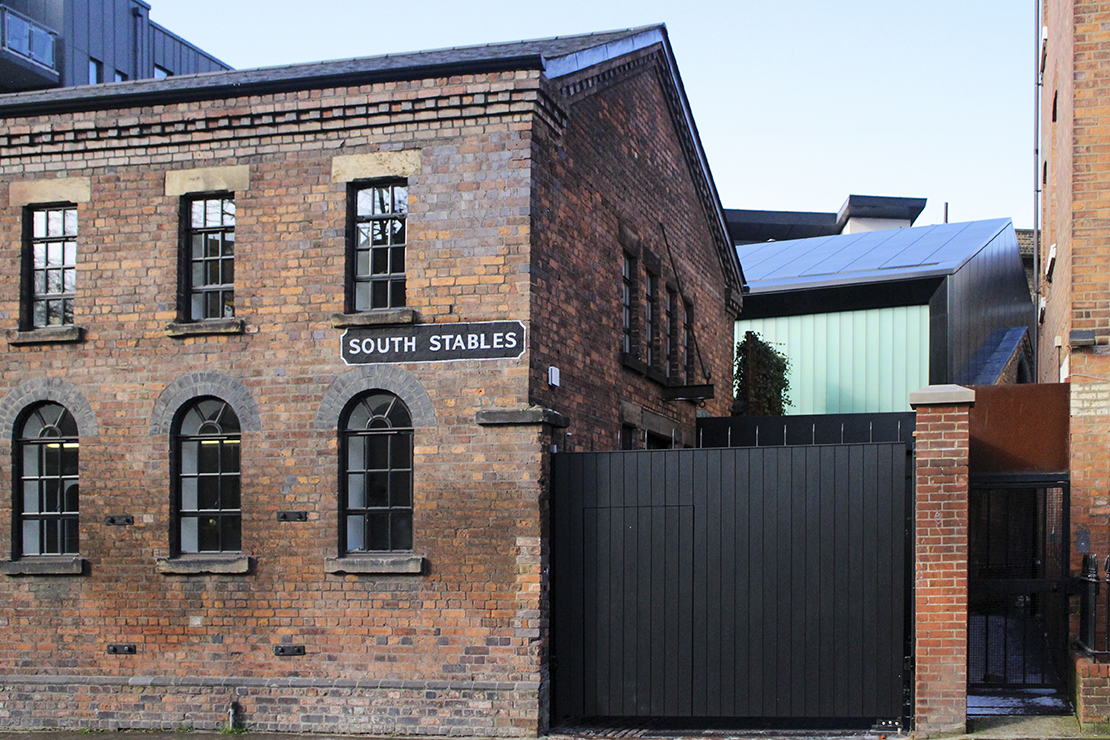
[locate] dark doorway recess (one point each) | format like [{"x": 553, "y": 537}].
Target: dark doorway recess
[
  {"x": 1017, "y": 598},
  {"x": 735, "y": 587}
]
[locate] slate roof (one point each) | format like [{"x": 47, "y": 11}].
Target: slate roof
[
  {"x": 558, "y": 56},
  {"x": 869, "y": 257}
]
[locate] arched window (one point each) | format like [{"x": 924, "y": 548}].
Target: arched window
[
  {"x": 206, "y": 444},
  {"x": 376, "y": 476},
  {"x": 47, "y": 489}
]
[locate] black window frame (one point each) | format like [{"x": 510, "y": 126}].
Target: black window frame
[
  {"x": 63, "y": 515},
  {"x": 399, "y": 505},
  {"x": 30, "y": 296},
  {"x": 188, "y": 290},
  {"x": 688, "y": 350},
  {"x": 629, "y": 300},
  {"x": 393, "y": 281},
  {"x": 186, "y": 503},
  {"x": 670, "y": 333}
]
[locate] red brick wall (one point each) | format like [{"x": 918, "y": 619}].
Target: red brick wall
[
  {"x": 615, "y": 176},
  {"x": 473, "y": 626},
  {"x": 941, "y": 514}
]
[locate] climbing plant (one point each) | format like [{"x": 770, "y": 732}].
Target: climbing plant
[{"x": 762, "y": 378}]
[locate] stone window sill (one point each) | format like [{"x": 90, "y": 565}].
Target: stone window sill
[
  {"x": 376, "y": 317},
  {"x": 401, "y": 563},
  {"x": 200, "y": 564},
  {"x": 45, "y": 565},
  {"x": 47, "y": 335},
  {"x": 208, "y": 326}
]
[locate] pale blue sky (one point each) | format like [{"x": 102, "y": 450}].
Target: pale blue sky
[{"x": 798, "y": 103}]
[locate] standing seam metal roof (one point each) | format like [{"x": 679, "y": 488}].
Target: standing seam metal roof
[{"x": 873, "y": 256}]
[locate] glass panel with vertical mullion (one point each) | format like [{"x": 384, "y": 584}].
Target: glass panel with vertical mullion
[
  {"x": 53, "y": 269},
  {"x": 212, "y": 239},
  {"x": 379, "y": 247},
  {"x": 49, "y": 477}
]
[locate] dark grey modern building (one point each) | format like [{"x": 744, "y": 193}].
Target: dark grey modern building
[{"x": 63, "y": 43}]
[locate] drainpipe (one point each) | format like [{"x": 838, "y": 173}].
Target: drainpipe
[{"x": 1038, "y": 82}]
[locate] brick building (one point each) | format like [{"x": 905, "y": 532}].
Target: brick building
[
  {"x": 1075, "y": 272},
  {"x": 277, "y": 393}
]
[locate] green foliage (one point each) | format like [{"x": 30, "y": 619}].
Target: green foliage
[{"x": 762, "y": 378}]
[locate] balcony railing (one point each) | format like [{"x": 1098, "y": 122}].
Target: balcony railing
[{"x": 25, "y": 37}]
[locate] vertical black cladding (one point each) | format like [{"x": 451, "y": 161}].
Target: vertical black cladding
[{"x": 762, "y": 583}]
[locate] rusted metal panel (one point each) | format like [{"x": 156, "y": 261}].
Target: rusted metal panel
[{"x": 1019, "y": 429}]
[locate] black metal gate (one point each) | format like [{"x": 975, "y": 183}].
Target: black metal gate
[
  {"x": 1017, "y": 594},
  {"x": 753, "y": 585}
]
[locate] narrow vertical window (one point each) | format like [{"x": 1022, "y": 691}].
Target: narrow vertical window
[
  {"x": 161, "y": 73},
  {"x": 628, "y": 301},
  {"x": 210, "y": 268},
  {"x": 670, "y": 335},
  {"x": 378, "y": 246},
  {"x": 47, "y": 482},
  {"x": 96, "y": 71},
  {"x": 52, "y": 274},
  {"x": 120, "y": 77},
  {"x": 376, "y": 454},
  {"x": 651, "y": 318},
  {"x": 688, "y": 350},
  {"x": 207, "y": 443}
]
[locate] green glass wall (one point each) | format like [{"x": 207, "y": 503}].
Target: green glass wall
[{"x": 851, "y": 361}]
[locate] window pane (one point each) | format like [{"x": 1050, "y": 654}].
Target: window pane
[
  {"x": 31, "y": 543},
  {"x": 189, "y": 456},
  {"x": 399, "y": 417},
  {"x": 356, "y": 537},
  {"x": 208, "y": 533},
  {"x": 51, "y": 496},
  {"x": 400, "y": 489},
  {"x": 356, "y": 491},
  {"x": 30, "y": 497},
  {"x": 229, "y": 534},
  {"x": 397, "y": 259},
  {"x": 228, "y": 303},
  {"x": 400, "y": 451},
  {"x": 380, "y": 294},
  {"x": 38, "y": 229},
  {"x": 230, "y": 457},
  {"x": 69, "y": 459},
  {"x": 227, "y": 272},
  {"x": 208, "y": 492},
  {"x": 54, "y": 224},
  {"x": 70, "y": 222},
  {"x": 377, "y": 526},
  {"x": 50, "y": 543},
  {"x": 69, "y": 534},
  {"x": 213, "y": 213},
  {"x": 189, "y": 537},
  {"x": 69, "y": 281},
  {"x": 197, "y": 210},
  {"x": 188, "y": 494},
  {"x": 355, "y": 453},
  {"x": 52, "y": 459},
  {"x": 398, "y": 294},
  {"x": 197, "y": 306},
  {"x": 30, "y": 456},
  {"x": 379, "y": 237},
  {"x": 401, "y": 198},
  {"x": 377, "y": 493},
  {"x": 378, "y": 449},
  {"x": 212, "y": 245},
  {"x": 208, "y": 461},
  {"x": 70, "y": 504},
  {"x": 362, "y": 296},
  {"x": 380, "y": 201},
  {"x": 363, "y": 235},
  {"x": 229, "y": 492},
  {"x": 401, "y": 531},
  {"x": 69, "y": 253}
]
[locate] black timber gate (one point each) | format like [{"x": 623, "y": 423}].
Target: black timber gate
[{"x": 746, "y": 586}]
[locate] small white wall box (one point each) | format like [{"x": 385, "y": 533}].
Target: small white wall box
[{"x": 553, "y": 376}]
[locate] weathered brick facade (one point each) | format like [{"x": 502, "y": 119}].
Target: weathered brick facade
[
  {"x": 523, "y": 192},
  {"x": 1076, "y": 226}
]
